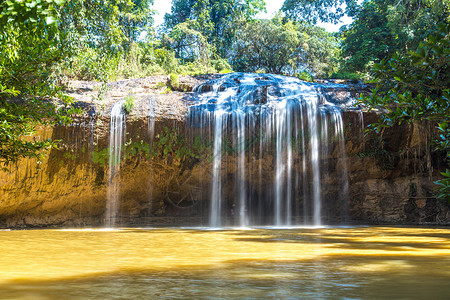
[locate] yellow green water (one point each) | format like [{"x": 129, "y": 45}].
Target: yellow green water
[{"x": 327, "y": 263}]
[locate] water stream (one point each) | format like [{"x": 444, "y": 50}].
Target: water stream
[
  {"x": 116, "y": 136},
  {"x": 268, "y": 119},
  {"x": 274, "y": 141}
]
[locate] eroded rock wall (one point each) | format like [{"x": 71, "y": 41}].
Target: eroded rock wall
[
  {"x": 166, "y": 175},
  {"x": 391, "y": 174}
]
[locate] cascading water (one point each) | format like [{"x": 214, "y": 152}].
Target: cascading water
[
  {"x": 151, "y": 135},
  {"x": 216, "y": 197},
  {"x": 116, "y": 136},
  {"x": 270, "y": 141}
]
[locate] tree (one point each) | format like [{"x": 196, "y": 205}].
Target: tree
[
  {"x": 216, "y": 18},
  {"x": 105, "y": 24},
  {"x": 312, "y": 11},
  {"x": 369, "y": 38},
  {"x": 29, "y": 49},
  {"x": 383, "y": 27},
  {"x": 189, "y": 43},
  {"x": 266, "y": 45},
  {"x": 98, "y": 34},
  {"x": 320, "y": 55},
  {"x": 414, "y": 86},
  {"x": 136, "y": 16},
  {"x": 277, "y": 46}
]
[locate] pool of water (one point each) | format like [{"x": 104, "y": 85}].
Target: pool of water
[{"x": 298, "y": 263}]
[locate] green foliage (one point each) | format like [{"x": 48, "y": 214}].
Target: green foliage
[
  {"x": 100, "y": 157},
  {"x": 137, "y": 148},
  {"x": 166, "y": 59},
  {"x": 189, "y": 43},
  {"x": 173, "y": 81},
  {"x": 414, "y": 86},
  {"x": 221, "y": 65},
  {"x": 284, "y": 47},
  {"x": 267, "y": 45},
  {"x": 215, "y": 19},
  {"x": 305, "y": 76},
  {"x": 88, "y": 64},
  {"x": 346, "y": 75},
  {"x": 443, "y": 186},
  {"x": 369, "y": 38},
  {"x": 383, "y": 27},
  {"x": 26, "y": 12},
  {"x": 29, "y": 96},
  {"x": 444, "y": 136},
  {"x": 317, "y": 10},
  {"x": 171, "y": 143},
  {"x": 101, "y": 36},
  {"x": 105, "y": 24},
  {"x": 128, "y": 105},
  {"x": 139, "y": 61},
  {"x": 195, "y": 68}
]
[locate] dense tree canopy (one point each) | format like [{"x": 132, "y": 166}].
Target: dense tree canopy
[
  {"x": 189, "y": 43},
  {"x": 279, "y": 47},
  {"x": 216, "y": 18},
  {"x": 383, "y": 27},
  {"x": 369, "y": 38},
  {"x": 319, "y": 10},
  {"x": 106, "y": 24},
  {"x": 29, "y": 42}
]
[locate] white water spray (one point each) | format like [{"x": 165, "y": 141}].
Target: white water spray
[
  {"x": 284, "y": 128},
  {"x": 116, "y": 135}
]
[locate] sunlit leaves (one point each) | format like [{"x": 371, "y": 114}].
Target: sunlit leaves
[
  {"x": 29, "y": 44},
  {"x": 189, "y": 43},
  {"x": 217, "y": 19},
  {"x": 19, "y": 12},
  {"x": 382, "y": 27},
  {"x": 414, "y": 86},
  {"x": 318, "y": 10},
  {"x": 276, "y": 46}
]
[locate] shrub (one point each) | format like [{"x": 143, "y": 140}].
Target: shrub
[
  {"x": 225, "y": 71},
  {"x": 128, "y": 105},
  {"x": 173, "y": 81},
  {"x": 88, "y": 64},
  {"x": 166, "y": 59},
  {"x": 305, "y": 76},
  {"x": 154, "y": 70},
  {"x": 221, "y": 65},
  {"x": 346, "y": 75}
]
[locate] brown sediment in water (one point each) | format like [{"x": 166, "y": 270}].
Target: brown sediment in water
[{"x": 369, "y": 261}]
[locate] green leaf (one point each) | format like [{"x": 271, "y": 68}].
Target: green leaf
[{"x": 50, "y": 20}]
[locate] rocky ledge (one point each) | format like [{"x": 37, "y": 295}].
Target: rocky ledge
[{"x": 166, "y": 174}]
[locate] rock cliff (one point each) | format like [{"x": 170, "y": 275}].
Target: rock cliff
[{"x": 166, "y": 173}]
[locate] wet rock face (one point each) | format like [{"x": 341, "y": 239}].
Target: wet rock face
[
  {"x": 167, "y": 171},
  {"x": 254, "y": 89},
  {"x": 172, "y": 186}
]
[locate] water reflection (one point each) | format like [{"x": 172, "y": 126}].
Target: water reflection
[{"x": 327, "y": 263}]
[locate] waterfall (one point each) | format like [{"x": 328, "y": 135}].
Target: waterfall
[
  {"x": 117, "y": 128},
  {"x": 151, "y": 135},
  {"x": 282, "y": 124},
  {"x": 216, "y": 194}
]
